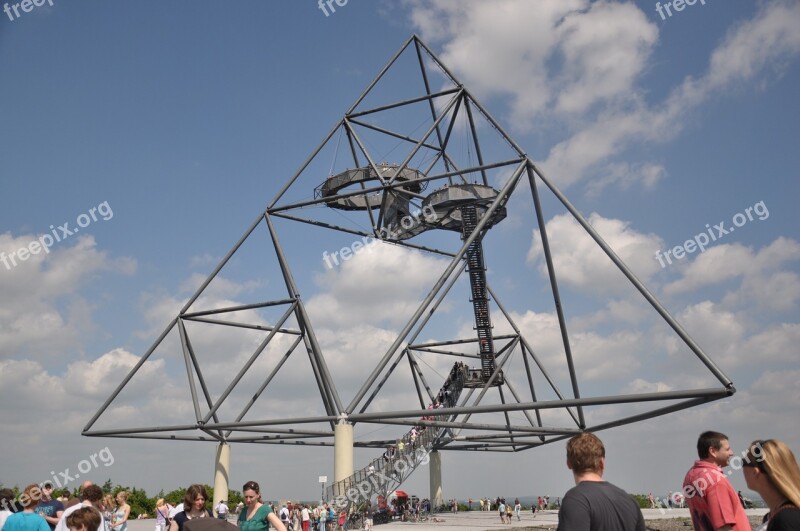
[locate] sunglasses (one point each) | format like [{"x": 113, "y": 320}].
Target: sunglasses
[{"x": 757, "y": 462}]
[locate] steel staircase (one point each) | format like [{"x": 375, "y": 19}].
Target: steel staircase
[{"x": 384, "y": 475}]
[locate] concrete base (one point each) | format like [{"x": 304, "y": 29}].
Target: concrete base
[
  {"x": 342, "y": 453},
  {"x": 436, "y": 479},
  {"x": 221, "y": 468}
]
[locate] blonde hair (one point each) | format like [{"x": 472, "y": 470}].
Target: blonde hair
[
  {"x": 777, "y": 461},
  {"x": 160, "y": 502},
  {"x": 108, "y": 500},
  {"x": 123, "y": 494}
]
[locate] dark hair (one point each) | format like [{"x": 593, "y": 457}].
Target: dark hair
[
  {"x": 92, "y": 493},
  {"x": 86, "y": 517},
  {"x": 192, "y": 493},
  {"x": 584, "y": 452},
  {"x": 708, "y": 440},
  {"x": 7, "y": 501},
  {"x": 251, "y": 485}
]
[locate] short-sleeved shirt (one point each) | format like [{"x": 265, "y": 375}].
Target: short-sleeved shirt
[
  {"x": 711, "y": 499},
  {"x": 259, "y": 520},
  {"x": 599, "y": 506},
  {"x": 50, "y": 508},
  {"x": 181, "y": 518},
  {"x": 26, "y": 522}
]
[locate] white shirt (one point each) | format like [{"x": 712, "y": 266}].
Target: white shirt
[
  {"x": 175, "y": 510},
  {"x": 3, "y": 515},
  {"x": 62, "y": 522}
]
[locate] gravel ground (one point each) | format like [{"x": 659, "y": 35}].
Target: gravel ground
[{"x": 672, "y": 520}]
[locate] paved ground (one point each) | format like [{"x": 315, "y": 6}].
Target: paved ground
[{"x": 479, "y": 521}]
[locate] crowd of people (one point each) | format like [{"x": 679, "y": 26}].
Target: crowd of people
[{"x": 769, "y": 467}]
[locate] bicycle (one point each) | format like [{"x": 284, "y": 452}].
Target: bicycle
[{"x": 356, "y": 521}]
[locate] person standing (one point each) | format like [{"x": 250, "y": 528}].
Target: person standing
[
  {"x": 502, "y": 510},
  {"x": 257, "y": 516},
  {"x": 770, "y": 468},
  {"x": 122, "y": 513},
  {"x": 50, "y": 509},
  {"x": 27, "y": 519},
  {"x": 194, "y": 506},
  {"x": 92, "y": 496},
  {"x": 305, "y": 517},
  {"x": 593, "y": 503},
  {"x": 368, "y": 514},
  {"x": 517, "y": 508},
  {"x": 713, "y": 502},
  {"x": 284, "y": 516},
  {"x": 162, "y": 514},
  {"x": 222, "y": 510}
]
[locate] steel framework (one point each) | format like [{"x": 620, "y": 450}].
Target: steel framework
[{"x": 394, "y": 191}]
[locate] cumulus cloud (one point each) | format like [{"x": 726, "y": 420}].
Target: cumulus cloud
[
  {"x": 763, "y": 282},
  {"x": 366, "y": 287},
  {"x": 753, "y": 47},
  {"x": 508, "y": 48},
  {"x": 44, "y": 313},
  {"x": 581, "y": 263},
  {"x": 579, "y": 64}
]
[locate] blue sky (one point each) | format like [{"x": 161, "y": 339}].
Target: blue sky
[{"x": 185, "y": 119}]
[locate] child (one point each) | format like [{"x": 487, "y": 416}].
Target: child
[{"x": 84, "y": 519}]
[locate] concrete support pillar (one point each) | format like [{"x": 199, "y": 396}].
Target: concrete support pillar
[
  {"x": 342, "y": 453},
  {"x": 221, "y": 467},
  {"x": 436, "y": 479}
]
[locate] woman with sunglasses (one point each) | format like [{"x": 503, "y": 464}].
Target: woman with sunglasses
[
  {"x": 771, "y": 469},
  {"x": 257, "y": 516}
]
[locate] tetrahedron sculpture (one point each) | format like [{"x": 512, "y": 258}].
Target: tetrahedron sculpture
[{"x": 426, "y": 170}]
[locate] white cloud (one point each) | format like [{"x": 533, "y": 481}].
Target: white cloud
[
  {"x": 559, "y": 59},
  {"x": 763, "y": 284},
  {"x": 757, "y": 45},
  {"x": 366, "y": 287},
  {"x": 581, "y": 263},
  {"x": 508, "y": 47},
  {"x": 625, "y": 175},
  {"x": 733, "y": 339},
  {"x": 43, "y": 312}
]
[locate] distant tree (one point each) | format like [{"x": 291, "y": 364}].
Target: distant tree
[
  {"x": 175, "y": 497},
  {"x": 108, "y": 486},
  {"x": 642, "y": 500}
]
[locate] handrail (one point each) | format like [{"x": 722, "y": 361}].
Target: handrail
[{"x": 385, "y": 474}]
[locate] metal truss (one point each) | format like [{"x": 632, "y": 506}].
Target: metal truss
[{"x": 433, "y": 159}]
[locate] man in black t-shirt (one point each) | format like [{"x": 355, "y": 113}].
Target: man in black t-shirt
[
  {"x": 592, "y": 503},
  {"x": 49, "y": 508}
]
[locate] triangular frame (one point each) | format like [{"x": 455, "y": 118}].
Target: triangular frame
[{"x": 501, "y": 437}]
